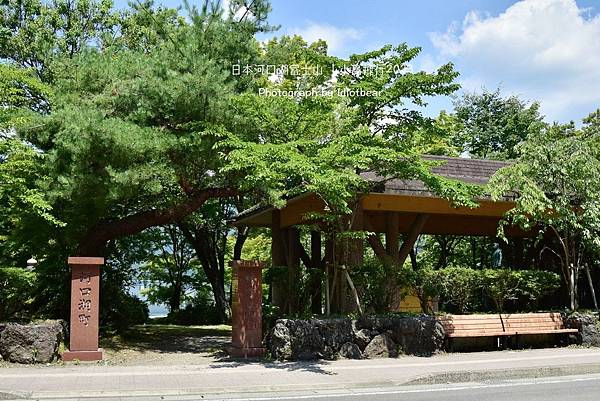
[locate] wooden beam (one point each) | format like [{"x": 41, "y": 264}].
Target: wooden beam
[
  {"x": 445, "y": 224},
  {"x": 376, "y": 244},
  {"x": 411, "y": 238},
  {"x": 392, "y": 236},
  {"x": 294, "y": 212},
  {"x": 431, "y": 205},
  {"x": 315, "y": 249},
  {"x": 277, "y": 247},
  {"x": 293, "y": 268}
]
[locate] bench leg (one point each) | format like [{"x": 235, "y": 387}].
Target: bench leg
[{"x": 450, "y": 345}]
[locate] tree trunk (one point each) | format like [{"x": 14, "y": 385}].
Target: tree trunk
[
  {"x": 97, "y": 236},
  {"x": 175, "y": 301},
  {"x": 206, "y": 248},
  {"x": 240, "y": 239}
]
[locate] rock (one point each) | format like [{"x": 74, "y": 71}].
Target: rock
[
  {"x": 295, "y": 339},
  {"x": 363, "y": 337},
  {"x": 588, "y": 326},
  {"x": 334, "y": 333},
  {"x": 381, "y": 346},
  {"x": 31, "y": 343},
  {"x": 419, "y": 336},
  {"x": 350, "y": 351},
  {"x": 280, "y": 342}
]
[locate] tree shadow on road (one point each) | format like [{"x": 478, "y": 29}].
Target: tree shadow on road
[{"x": 206, "y": 340}]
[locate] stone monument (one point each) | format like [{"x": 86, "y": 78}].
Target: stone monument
[
  {"x": 85, "y": 302},
  {"x": 246, "y": 305}
]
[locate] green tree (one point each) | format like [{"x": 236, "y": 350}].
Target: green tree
[
  {"x": 171, "y": 270},
  {"x": 557, "y": 182},
  {"x": 493, "y": 125}
]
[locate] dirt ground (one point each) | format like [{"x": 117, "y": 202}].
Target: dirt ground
[
  {"x": 167, "y": 344},
  {"x": 156, "y": 344}
]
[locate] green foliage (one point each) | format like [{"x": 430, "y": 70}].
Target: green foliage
[
  {"x": 123, "y": 311},
  {"x": 557, "y": 182},
  {"x": 502, "y": 285},
  {"x": 170, "y": 273},
  {"x": 463, "y": 287},
  {"x": 257, "y": 247},
  {"x": 459, "y": 285},
  {"x": 20, "y": 89},
  {"x": 198, "y": 312},
  {"x": 371, "y": 281},
  {"x": 17, "y": 287},
  {"x": 492, "y": 126},
  {"x": 26, "y": 217}
]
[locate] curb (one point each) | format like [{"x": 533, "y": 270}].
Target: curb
[{"x": 503, "y": 374}]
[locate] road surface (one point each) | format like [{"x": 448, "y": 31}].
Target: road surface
[{"x": 570, "y": 374}]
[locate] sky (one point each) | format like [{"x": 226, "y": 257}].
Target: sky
[{"x": 540, "y": 50}]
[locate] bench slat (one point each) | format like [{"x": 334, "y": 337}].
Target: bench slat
[{"x": 503, "y": 325}]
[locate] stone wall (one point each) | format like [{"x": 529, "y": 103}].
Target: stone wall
[
  {"x": 31, "y": 343},
  {"x": 367, "y": 337},
  {"x": 588, "y": 326}
]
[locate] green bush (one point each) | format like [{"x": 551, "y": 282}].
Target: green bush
[
  {"x": 502, "y": 285},
  {"x": 123, "y": 311},
  {"x": 16, "y": 292},
  {"x": 370, "y": 280},
  {"x": 458, "y": 286},
  {"x": 462, "y": 286},
  {"x": 197, "y": 313}
]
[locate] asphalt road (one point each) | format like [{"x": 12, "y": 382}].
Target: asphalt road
[
  {"x": 576, "y": 388},
  {"x": 544, "y": 374}
]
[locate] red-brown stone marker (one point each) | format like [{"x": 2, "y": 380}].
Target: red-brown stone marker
[
  {"x": 246, "y": 308},
  {"x": 85, "y": 302}
]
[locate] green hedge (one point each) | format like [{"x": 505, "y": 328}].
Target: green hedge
[{"x": 463, "y": 287}]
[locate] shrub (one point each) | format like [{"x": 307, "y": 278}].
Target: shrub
[
  {"x": 124, "y": 310},
  {"x": 458, "y": 285},
  {"x": 16, "y": 292},
  {"x": 461, "y": 286},
  {"x": 201, "y": 311},
  {"x": 503, "y": 285},
  {"x": 370, "y": 280}
]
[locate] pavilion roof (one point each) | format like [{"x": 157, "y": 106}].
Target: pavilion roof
[
  {"x": 407, "y": 198},
  {"x": 471, "y": 171}
]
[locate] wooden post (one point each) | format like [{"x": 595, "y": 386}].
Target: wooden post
[
  {"x": 327, "y": 263},
  {"x": 315, "y": 257},
  {"x": 411, "y": 238},
  {"x": 355, "y": 257},
  {"x": 392, "y": 236},
  {"x": 85, "y": 308},
  {"x": 293, "y": 260},
  {"x": 278, "y": 258},
  {"x": 246, "y": 305}
]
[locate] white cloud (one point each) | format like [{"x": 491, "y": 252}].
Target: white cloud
[
  {"x": 336, "y": 37},
  {"x": 547, "y": 50}
]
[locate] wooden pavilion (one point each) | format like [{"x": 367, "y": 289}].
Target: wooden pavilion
[{"x": 400, "y": 209}]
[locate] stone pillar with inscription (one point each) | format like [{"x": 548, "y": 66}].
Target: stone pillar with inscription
[
  {"x": 85, "y": 302},
  {"x": 246, "y": 305}
]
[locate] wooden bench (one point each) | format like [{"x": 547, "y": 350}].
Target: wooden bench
[{"x": 503, "y": 325}]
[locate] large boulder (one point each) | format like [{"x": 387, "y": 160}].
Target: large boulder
[
  {"x": 381, "y": 346},
  {"x": 588, "y": 326},
  {"x": 350, "y": 351},
  {"x": 31, "y": 343},
  {"x": 363, "y": 337},
  {"x": 280, "y": 341},
  {"x": 295, "y": 339},
  {"x": 419, "y": 336}
]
